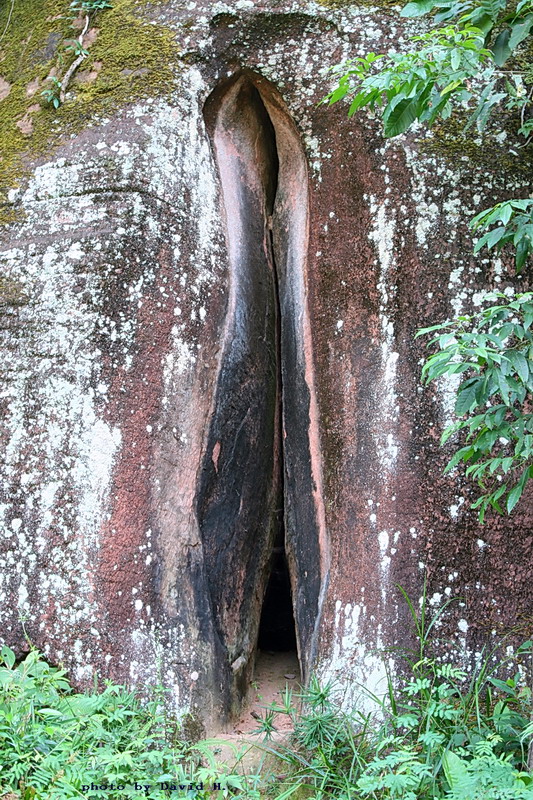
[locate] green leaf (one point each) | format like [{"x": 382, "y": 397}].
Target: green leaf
[
  {"x": 454, "y": 767},
  {"x": 506, "y": 213},
  {"x": 49, "y": 712},
  {"x": 487, "y": 100},
  {"x": 423, "y": 331},
  {"x": 490, "y": 239},
  {"x": 339, "y": 93},
  {"x": 513, "y": 497},
  {"x": 451, "y": 87},
  {"x": 501, "y": 685},
  {"x": 362, "y": 99},
  {"x": 8, "y": 656},
  {"x": 520, "y": 31},
  {"x": 522, "y": 251},
  {"x": 466, "y": 399},
  {"x": 520, "y": 364},
  {"x": 464, "y": 454},
  {"x": 417, "y": 8},
  {"x": 401, "y": 116},
  {"x": 504, "y": 388},
  {"x": 502, "y": 49}
]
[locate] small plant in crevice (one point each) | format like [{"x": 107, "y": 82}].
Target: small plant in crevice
[
  {"x": 439, "y": 734},
  {"x": 52, "y": 95},
  {"x": 87, "y": 6}
]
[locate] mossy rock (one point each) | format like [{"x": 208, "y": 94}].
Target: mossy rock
[
  {"x": 450, "y": 141},
  {"x": 191, "y": 729},
  {"x": 338, "y": 4},
  {"x": 12, "y": 293},
  {"x": 135, "y": 59}
]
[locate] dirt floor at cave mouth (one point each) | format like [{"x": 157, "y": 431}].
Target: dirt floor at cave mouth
[{"x": 273, "y": 672}]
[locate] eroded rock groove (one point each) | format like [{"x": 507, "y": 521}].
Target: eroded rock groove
[{"x": 256, "y": 499}]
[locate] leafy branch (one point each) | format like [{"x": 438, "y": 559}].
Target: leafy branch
[
  {"x": 493, "y": 351},
  {"x": 460, "y": 65},
  {"x": 513, "y": 222},
  {"x": 451, "y": 68},
  {"x": 417, "y": 86}
]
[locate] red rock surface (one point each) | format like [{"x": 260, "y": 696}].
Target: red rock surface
[{"x": 116, "y": 292}]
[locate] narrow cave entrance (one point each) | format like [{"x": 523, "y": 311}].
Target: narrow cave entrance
[
  {"x": 258, "y": 495},
  {"x": 277, "y": 633}
]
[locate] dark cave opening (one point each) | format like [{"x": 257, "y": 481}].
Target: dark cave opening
[{"x": 277, "y": 631}]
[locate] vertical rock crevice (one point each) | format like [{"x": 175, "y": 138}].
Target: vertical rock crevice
[{"x": 259, "y": 492}]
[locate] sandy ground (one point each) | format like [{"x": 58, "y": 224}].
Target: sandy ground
[{"x": 273, "y": 672}]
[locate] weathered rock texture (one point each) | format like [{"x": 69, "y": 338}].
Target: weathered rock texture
[{"x": 210, "y": 286}]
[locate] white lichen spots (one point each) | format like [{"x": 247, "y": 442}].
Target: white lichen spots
[
  {"x": 61, "y": 440},
  {"x": 382, "y": 235},
  {"x": 385, "y": 561},
  {"x": 75, "y": 251},
  {"x": 352, "y": 664},
  {"x": 99, "y": 444},
  {"x": 456, "y": 288},
  {"x": 57, "y": 443},
  {"x": 454, "y": 508},
  {"x": 425, "y": 222},
  {"x": 435, "y": 599},
  {"x": 84, "y": 672}
]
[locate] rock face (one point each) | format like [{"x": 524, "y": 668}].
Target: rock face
[{"x": 208, "y": 300}]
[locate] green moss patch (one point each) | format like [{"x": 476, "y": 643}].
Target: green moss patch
[
  {"x": 12, "y": 293},
  {"x": 486, "y": 153},
  {"x": 137, "y": 59},
  {"x": 336, "y": 4}
]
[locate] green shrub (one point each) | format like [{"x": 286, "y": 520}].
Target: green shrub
[
  {"x": 56, "y": 744},
  {"x": 439, "y": 734}
]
